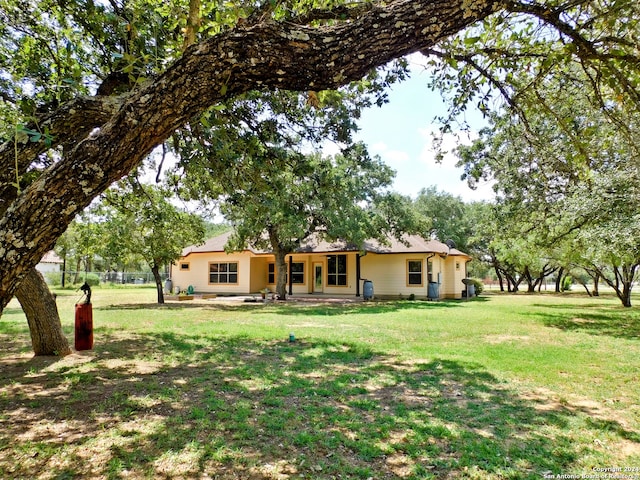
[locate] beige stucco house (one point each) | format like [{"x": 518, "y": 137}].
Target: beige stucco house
[
  {"x": 51, "y": 262},
  {"x": 424, "y": 268}
]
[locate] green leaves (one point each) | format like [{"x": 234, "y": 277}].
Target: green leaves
[
  {"x": 24, "y": 134},
  {"x": 32, "y": 134},
  {"x": 141, "y": 220},
  {"x": 500, "y": 63}
]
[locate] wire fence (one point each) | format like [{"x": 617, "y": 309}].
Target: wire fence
[{"x": 95, "y": 278}]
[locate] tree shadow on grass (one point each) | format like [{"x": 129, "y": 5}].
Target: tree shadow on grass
[
  {"x": 10, "y": 325},
  {"x": 173, "y": 406},
  {"x": 612, "y": 321},
  {"x": 303, "y": 309}
]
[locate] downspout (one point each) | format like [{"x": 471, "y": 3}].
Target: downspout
[
  {"x": 358, "y": 274},
  {"x": 427, "y": 259},
  {"x": 430, "y": 279},
  {"x": 290, "y": 274}
]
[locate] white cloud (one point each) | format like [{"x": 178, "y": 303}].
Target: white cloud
[
  {"x": 330, "y": 149},
  {"x": 449, "y": 142},
  {"x": 445, "y": 175},
  {"x": 390, "y": 156}
]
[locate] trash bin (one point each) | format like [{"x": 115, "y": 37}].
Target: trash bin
[
  {"x": 471, "y": 290},
  {"x": 168, "y": 285},
  {"x": 367, "y": 290},
  {"x": 433, "y": 291}
]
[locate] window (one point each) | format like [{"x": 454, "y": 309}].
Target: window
[
  {"x": 297, "y": 277},
  {"x": 297, "y": 273},
  {"x": 226, "y": 272},
  {"x": 414, "y": 273},
  {"x": 457, "y": 265},
  {"x": 184, "y": 267},
  {"x": 337, "y": 270},
  {"x": 271, "y": 273}
]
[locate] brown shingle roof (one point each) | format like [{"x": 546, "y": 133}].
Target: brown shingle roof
[
  {"x": 51, "y": 257},
  {"x": 411, "y": 244},
  {"x": 416, "y": 244}
]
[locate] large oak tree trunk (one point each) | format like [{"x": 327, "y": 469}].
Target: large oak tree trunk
[
  {"x": 622, "y": 283},
  {"x": 263, "y": 55},
  {"x": 41, "y": 310},
  {"x": 281, "y": 273},
  {"x": 625, "y": 295},
  {"x": 625, "y": 276}
]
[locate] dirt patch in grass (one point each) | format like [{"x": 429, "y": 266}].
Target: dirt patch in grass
[
  {"x": 171, "y": 406},
  {"x": 497, "y": 339}
]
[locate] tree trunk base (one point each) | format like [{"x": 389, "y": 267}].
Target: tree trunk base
[{"x": 41, "y": 311}]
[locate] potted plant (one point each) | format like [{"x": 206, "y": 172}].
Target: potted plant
[{"x": 264, "y": 292}]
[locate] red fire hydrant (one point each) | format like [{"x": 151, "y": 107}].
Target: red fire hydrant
[{"x": 84, "y": 321}]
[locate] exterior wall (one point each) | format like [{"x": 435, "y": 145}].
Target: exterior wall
[
  {"x": 253, "y": 273},
  {"x": 389, "y": 274},
  {"x": 438, "y": 272},
  {"x": 307, "y": 286},
  {"x": 455, "y": 271},
  {"x": 46, "y": 267},
  {"x": 198, "y": 273},
  {"x": 259, "y": 273}
]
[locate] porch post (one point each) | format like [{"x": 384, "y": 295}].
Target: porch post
[
  {"x": 290, "y": 274},
  {"x": 357, "y": 274}
]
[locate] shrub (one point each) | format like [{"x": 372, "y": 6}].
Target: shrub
[
  {"x": 566, "y": 283},
  {"x": 53, "y": 278},
  {"x": 93, "y": 279}
]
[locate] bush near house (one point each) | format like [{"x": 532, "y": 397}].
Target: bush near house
[{"x": 478, "y": 284}]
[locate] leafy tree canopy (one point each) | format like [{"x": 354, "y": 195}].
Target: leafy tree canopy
[
  {"x": 141, "y": 220},
  {"x": 251, "y": 158},
  {"x": 565, "y": 171},
  {"x": 159, "y": 67},
  {"x": 447, "y": 215}
]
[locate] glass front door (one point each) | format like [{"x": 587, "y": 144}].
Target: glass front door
[{"x": 317, "y": 278}]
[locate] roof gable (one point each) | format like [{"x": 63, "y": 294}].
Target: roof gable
[{"x": 51, "y": 257}]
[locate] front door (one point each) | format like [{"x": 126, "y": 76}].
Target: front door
[{"x": 317, "y": 278}]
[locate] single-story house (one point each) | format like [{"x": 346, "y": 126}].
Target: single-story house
[
  {"x": 424, "y": 268},
  {"x": 51, "y": 262}
]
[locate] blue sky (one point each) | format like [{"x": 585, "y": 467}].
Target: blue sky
[{"x": 400, "y": 133}]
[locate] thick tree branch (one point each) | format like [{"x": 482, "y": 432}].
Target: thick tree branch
[
  {"x": 66, "y": 127},
  {"x": 263, "y": 56},
  {"x": 340, "y": 12}
]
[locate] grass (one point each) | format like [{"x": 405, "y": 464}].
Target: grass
[{"x": 500, "y": 387}]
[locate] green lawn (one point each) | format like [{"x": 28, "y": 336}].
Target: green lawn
[{"x": 500, "y": 386}]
